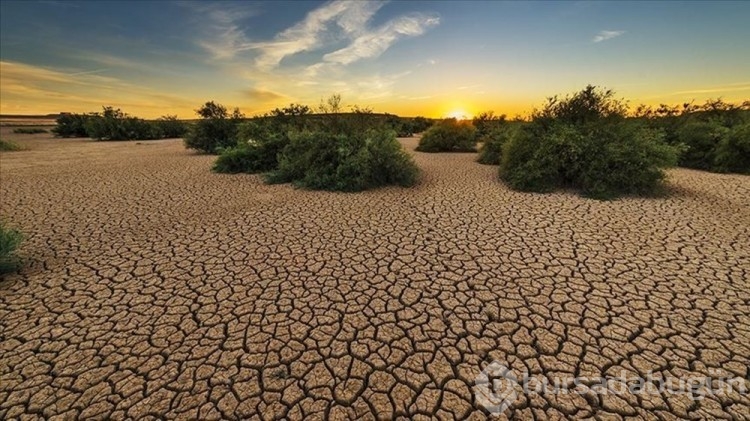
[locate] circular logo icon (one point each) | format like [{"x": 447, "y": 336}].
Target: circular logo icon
[{"x": 495, "y": 388}]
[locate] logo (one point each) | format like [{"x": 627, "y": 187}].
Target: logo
[{"x": 495, "y": 388}]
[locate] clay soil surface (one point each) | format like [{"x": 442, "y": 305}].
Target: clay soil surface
[{"x": 154, "y": 288}]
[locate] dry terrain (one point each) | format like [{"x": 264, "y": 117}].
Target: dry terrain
[{"x": 154, "y": 288}]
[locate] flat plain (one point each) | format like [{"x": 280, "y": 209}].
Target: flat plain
[{"x": 154, "y": 288}]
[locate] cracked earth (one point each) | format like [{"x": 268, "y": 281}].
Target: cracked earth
[{"x": 154, "y": 288}]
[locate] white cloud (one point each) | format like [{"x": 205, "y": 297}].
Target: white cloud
[
  {"x": 372, "y": 43},
  {"x": 323, "y": 27},
  {"x": 605, "y": 35}
]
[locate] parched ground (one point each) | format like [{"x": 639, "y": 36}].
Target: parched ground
[{"x": 154, "y": 288}]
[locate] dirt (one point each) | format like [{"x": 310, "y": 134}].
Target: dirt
[{"x": 153, "y": 287}]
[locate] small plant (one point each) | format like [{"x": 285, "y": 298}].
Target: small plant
[
  {"x": 10, "y": 239},
  {"x": 9, "y": 146},
  {"x": 449, "y": 135},
  {"x": 28, "y": 130}
]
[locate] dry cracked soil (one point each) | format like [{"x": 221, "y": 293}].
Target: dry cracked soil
[{"x": 156, "y": 289}]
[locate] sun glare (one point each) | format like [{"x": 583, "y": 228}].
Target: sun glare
[{"x": 458, "y": 114}]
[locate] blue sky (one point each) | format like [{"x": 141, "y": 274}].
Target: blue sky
[{"x": 411, "y": 58}]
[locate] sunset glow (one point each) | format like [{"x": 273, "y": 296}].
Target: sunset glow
[
  {"x": 434, "y": 59},
  {"x": 459, "y": 115}
]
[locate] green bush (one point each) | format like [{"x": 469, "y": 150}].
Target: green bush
[
  {"x": 29, "y": 130},
  {"x": 113, "y": 124},
  {"x": 260, "y": 141},
  {"x": 10, "y": 239},
  {"x": 71, "y": 125},
  {"x": 256, "y": 152},
  {"x": 585, "y": 142},
  {"x": 701, "y": 139},
  {"x": 486, "y": 123},
  {"x": 702, "y": 129},
  {"x": 169, "y": 127},
  {"x": 733, "y": 151},
  {"x": 216, "y": 130},
  {"x": 420, "y": 124},
  {"x": 449, "y": 135},
  {"x": 330, "y": 160},
  {"x": 492, "y": 147},
  {"x": 8, "y": 146}
]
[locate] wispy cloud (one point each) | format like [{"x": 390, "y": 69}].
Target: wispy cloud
[
  {"x": 87, "y": 72},
  {"x": 44, "y": 89},
  {"x": 262, "y": 95},
  {"x": 744, "y": 86},
  {"x": 224, "y": 36},
  {"x": 372, "y": 43},
  {"x": 326, "y": 26},
  {"x": 606, "y": 35}
]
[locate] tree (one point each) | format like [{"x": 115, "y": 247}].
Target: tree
[{"x": 212, "y": 110}]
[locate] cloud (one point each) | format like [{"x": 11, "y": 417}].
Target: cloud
[
  {"x": 223, "y": 37},
  {"x": 745, "y": 86},
  {"x": 34, "y": 89},
  {"x": 605, "y": 35},
  {"x": 328, "y": 25},
  {"x": 261, "y": 95},
  {"x": 373, "y": 43},
  {"x": 350, "y": 17}
]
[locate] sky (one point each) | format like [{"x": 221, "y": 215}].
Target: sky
[{"x": 435, "y": 59}]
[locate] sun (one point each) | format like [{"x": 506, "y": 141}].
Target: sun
[{"x": 458, "y": 114}]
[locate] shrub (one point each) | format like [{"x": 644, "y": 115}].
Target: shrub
[
  {"x": 10, "y": 239},
  {"x": 701, "y": 139},
  {"x": 113, "y": 124},
  {"x": 29, "y": 130},
  {"x": 702, "y": 129},
  {"x": 71, "y": 125},
  {"x": 733, "y": 151},
  {"x": 449, "y": 135},
  {"x": 257, "y": 149},
  {"x": 8, "y": 146},
  {"x": 216, "y": 129},
  {"x": 486, "y": 123},
  {"x": 585, "y": 142},
  {"x": 170, "y": 127},
  {"x": 330, "y": 160},
  {"x": 492, "y": 148},
  {"x": 420, "y": 124}
]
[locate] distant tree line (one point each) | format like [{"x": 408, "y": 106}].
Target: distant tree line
[{"x": 114, "y": 124}]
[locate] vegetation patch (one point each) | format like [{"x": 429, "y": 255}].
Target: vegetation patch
[
  {"x": 492, "y": 143},
  {"x": 585, "y": 142},
  {"x": 449, "y": 135},
  {"x": 216, "y": 130},
  {"x": 327, "y": 151},
  {"x": 326, "y": 160},
  {"x": 10, "y": 239},
  {"x": 9, "y": 146},
  {"x": 29, "y": 130},
  {"x": 113, "y": 124},
  {"x": 713, "y": 135}
]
